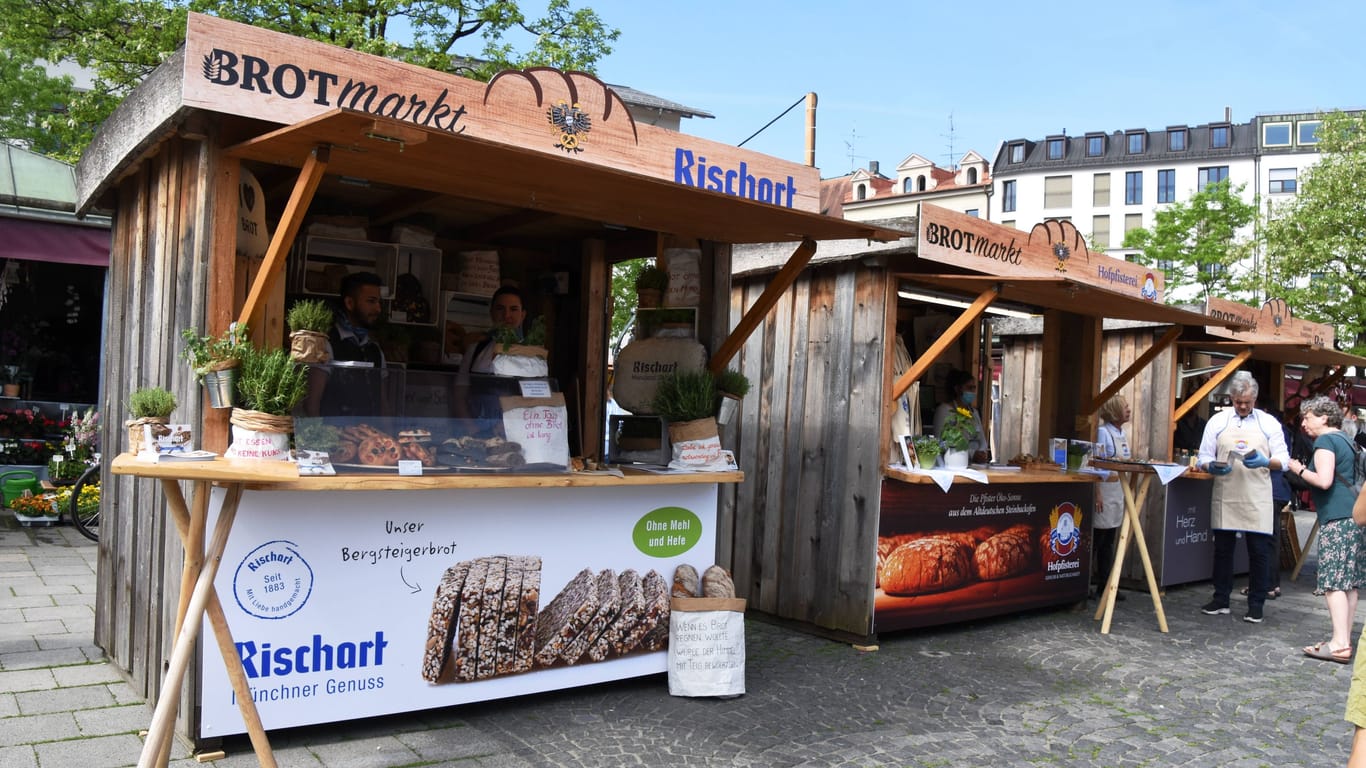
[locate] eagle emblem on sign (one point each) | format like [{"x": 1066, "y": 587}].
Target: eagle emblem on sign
[{"x": 572, "y": 123}]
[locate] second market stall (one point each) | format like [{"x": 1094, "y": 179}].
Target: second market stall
[{"x": 808, "y": 543}]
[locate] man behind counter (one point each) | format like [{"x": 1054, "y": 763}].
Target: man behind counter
[{"x": 341, "y": 392}]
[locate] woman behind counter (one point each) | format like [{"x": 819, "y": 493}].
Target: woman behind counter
[
  {"x": 963, "y": 390},
  {"x": 506, "y": 310},
  {"x": 1110, "y": 443}
]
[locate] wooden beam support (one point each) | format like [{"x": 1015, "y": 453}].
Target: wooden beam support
[
  {"x": 776, "y": 287},
  {"x": 1136, "y": 367},
  {"x": 949, "y": 336},
  {"x": 290, "y": 221},
  {"x": 1200, "y": 394}
]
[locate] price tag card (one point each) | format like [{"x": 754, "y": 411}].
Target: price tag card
[
  {"x": 535, "y": 388},
  {"x": 410, "y": 467}
]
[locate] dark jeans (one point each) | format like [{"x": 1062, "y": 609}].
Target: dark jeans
[
  {"x": 1258, "y": 566},
  {"x": 1103, "y": 552},
  {"x": 1274, "y": 561}
]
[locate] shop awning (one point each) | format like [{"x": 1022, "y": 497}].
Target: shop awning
[
  {"x": 386, "y": 151},
  {"x": 53, "y": 242},
  {"x": 1287, "y": 354},
  {"x": 1071, "y": 296}
]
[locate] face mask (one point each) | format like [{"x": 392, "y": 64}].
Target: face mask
[{"x": 969, "y": 397}]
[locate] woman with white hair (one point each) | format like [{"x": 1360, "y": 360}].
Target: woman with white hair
[
  {"x": 1240, "y": 448},
  {"x": 1341, "y": 565}
]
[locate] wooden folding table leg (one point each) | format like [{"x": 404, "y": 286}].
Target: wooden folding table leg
[
  {"x": 228, "y": 650},
  {"x": 1144, "y": 483},
  {"x": 163, "y": 717},
  {"x": 1108, "y": 597},
  {"x": 190, "y": 527},
  {"x": 1304, "y": 551}
]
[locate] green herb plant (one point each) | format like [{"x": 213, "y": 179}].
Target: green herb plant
[
  {"x": 151, "y": 403},
  {"x": 685, "y": 396},
  {"x": 310, "y": 315},
  {"x": 652, "y": 278},
  {"x": 270, "y": 382},
  {"x": 926, "y": 449},
  {"x": 732, "y": 382},
  {"x": 210, "y": 353}
]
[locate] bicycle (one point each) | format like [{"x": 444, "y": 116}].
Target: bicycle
[{"x": 87, "y": 521}]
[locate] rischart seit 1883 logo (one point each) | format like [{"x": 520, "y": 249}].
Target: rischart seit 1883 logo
[
  {"x": 1064, "y": 535},
  {"x": 273, "y": 581}
]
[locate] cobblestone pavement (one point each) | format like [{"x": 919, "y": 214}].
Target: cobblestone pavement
[{"x": 1042, "y": 688}]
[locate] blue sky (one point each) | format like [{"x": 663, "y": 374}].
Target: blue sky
[{"x": 889, "y": 74}]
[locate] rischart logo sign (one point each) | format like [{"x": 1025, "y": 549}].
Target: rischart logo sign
[
  {"x": 293, "y": 81},
  {"x": 273, "y": 581}
]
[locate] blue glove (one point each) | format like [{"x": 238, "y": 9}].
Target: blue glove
[
  {"x": 1256, "y": 460},
  {"x": 1216, "y": 469}
]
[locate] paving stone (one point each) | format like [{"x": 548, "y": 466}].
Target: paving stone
[
  {"x": 83, "y": 674},
  {"x": 18, "y": 757},
  {"x": 96, "y": 752},
  {"x": 58, "y": 612},
  {"x": 27, "y": 680},
  {"x": 64, "y": 699},
  {"x": 34, "y": 729},
  {"x": 110, "y": 720}
]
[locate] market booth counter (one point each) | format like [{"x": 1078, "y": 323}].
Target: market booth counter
[
  {"x": 814, "y": 542},
  {"x": 323, "y": 576}
]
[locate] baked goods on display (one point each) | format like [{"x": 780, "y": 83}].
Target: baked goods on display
[
  {"x": 939, "y": 561},
  {"x": 486, "y": 619},
  {"x": 1006, "y": 554}
]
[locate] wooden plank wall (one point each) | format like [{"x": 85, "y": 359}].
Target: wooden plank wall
[
  {"x": 157, "y": 285},
  {"x": 1149, "y": 394},
  {"x": 805, "y": 519}
]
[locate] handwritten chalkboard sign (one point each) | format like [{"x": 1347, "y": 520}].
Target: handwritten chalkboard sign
[{"x": 541, "y": 426}]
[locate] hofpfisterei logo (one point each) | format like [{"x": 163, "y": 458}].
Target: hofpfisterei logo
[
  {"x": 273, "y": 581},
  {"x": 1064, "y": 535}
]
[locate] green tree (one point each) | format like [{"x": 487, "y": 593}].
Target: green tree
[
  {"x": 1196, "y": 242},
  {"x": 121, "y": 41},
  {"x": 1316, "y": 243},
  {"x": 624, "y": 299}
]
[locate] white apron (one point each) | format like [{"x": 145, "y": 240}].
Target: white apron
[
  {"x": 1110, "y": 513},
  {"x": 1242, "y": 499}
]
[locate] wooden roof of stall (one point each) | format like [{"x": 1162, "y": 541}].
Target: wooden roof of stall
[
  {"x": 539, "y": 152},
  {"x": 388, "y": 152}
]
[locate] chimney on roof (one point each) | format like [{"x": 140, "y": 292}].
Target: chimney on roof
[
  {"x": 1228, "y": 114},
  {"x": 872, "y": 167}
]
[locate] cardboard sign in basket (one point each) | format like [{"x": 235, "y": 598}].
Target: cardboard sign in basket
[{"x": 706, "y": 646}]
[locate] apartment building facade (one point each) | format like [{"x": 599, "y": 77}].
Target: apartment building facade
[
  {"x": 869, "y": 195},
  {"x": 1107, "y": 183}
]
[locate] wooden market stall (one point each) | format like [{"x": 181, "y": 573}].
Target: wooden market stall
[
  {"x": 809, "y": 539},
  {"x": 546, "y": 168},
  {"x": 1176, "y": 519}
]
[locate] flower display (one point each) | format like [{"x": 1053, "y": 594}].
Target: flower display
[
  {"x": 958, "y": 429},
  {"x": 35, "y": 506}
]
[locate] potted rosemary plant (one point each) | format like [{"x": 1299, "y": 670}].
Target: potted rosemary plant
[
  {"x": 732, "y": 386},
  {"x": 687, "y": 400},
  {"x": 650, "y": 285},
  {"x": 269, "y": 385}
]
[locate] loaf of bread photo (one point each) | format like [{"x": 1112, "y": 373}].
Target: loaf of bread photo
[{"x": 927, "y": 565}]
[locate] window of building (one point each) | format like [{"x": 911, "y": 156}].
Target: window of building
[
  {"x": 907, "y": 186},
  {"x": 1165, "y": 264},
  {"x": 1058, "y": 218},
  {"x": 1100, "y": 231},
  {"x": 1136, "y": 142},
  {"x": 974, "y": 213},
  {"x": 1057, "y": 148},
  {"x": 920, "y": 183},
  {"x": 972, "y": 175},
  {"x": 1095, "y": 146},
  {"x": 1133, "y": 188},
  {"x": 1219, "y": 136},
  {"x": 1008, "y": 223},
  {"x": 1166, "y": 186},
  {"x": 860, "y": 192},
  {"x": 1212, "y": 175},
  {"x": 1176, "y": 139},
  {"x": 1057, "y": 192},
  {"x": 1133, "y": 221},
  {"x": 1308, "y": 131},
  {"x": 1007, "y": 196},
  {"x": 1276, "y": 134},
  {"x": 1100, "y": 190},
  {"x": 1283, "y": 181},
  {"x": 1017, "y": 153}
]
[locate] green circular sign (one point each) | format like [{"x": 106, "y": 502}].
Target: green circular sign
[{"x": 667, "y": 531}]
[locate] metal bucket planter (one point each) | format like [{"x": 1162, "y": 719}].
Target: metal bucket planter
[
  {"x": 730, "y": 404},
  {"x": 221, "y": 386}
]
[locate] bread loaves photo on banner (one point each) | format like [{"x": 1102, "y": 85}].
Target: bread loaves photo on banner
[
  {"x": 487, "y": 620},
  {"x": 928, "y": 562}
]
